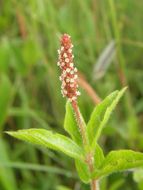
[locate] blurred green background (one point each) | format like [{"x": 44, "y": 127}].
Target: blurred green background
[{"x": 108, "y": 48}]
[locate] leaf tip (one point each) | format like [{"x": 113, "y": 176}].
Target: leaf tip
[
  {"x": 122, "y": 91},
  {"x": 12, "y": 133},
  {"x": 9, "y": 133},
  {"x": 125, "y": 88}
]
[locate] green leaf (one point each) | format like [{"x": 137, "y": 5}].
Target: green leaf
[
  {"x": 50, "y": 140},
  {"x": 98, "y": 156},
  {"x": 138, "y": 175},
  {"x": 117, "y": 161},
  {"x": 101, "y": 114},
  {"x": 5, "y": 98},
  {"x": 83, "y": 171},
  {"x": 70, "y": 124}
]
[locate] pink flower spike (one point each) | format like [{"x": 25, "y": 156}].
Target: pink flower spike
[{"x": 69, "y": 87}]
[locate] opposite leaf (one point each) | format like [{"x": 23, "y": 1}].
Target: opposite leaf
[
  {"x": 117, "y": 161},
  {"x": 83, "y": 171},
  {"x": 70, "y": 124},
  {"x": 98, "y": 156},
  {"x": 101, "y": 114},
  {"x": 50, "y": 140}
]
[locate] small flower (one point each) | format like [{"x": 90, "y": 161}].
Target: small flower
[{"x": 68, "y": 71}]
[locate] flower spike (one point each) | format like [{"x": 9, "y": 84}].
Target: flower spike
[{"x": 69, "y": 87}]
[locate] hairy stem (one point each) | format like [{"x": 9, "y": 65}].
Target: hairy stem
[
  {"x": 90, "y": 162},
  {"x": 93, "y": 185},
  {"x": 89, "y": 156},
  {"x": 80, "y": 123}
]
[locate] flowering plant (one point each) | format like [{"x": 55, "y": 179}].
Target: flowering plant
[{"x": 83, "y": 147}]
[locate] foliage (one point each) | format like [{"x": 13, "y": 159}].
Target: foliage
[{"x": 115, "y": 161}]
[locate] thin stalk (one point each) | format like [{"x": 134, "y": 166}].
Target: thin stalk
[
  {"x": 89, "y": 157},
  {"x": 80, "y": 123},
  {"x": 94, "y": 185},
  {"x": 87, "y": 87}
]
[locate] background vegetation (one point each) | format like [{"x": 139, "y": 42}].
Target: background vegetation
[{"x": 30, "y": 89}]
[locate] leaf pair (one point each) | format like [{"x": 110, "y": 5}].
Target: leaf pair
[
  {"x": 74, "y": 148},
  {"x": 115, "y": 161},
  {"x": 98, "y": 119}
]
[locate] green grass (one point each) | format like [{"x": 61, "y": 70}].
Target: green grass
[{"x": 29, "y": 37}]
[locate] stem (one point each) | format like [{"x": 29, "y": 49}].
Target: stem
[
  {"x": 90, "y": 162},
  {"x": 93, "y": 185},
  {"x": 80, "y": 122},
  {"x": 89, "y": 156}
]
